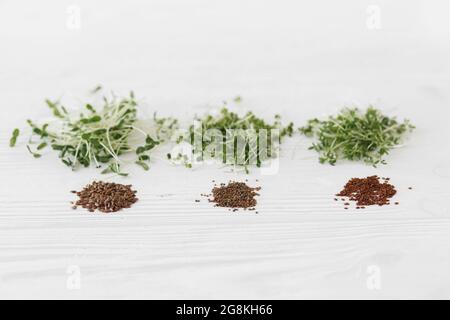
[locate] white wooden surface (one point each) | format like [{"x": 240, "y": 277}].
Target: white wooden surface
[{"x": 283, "y": 57}]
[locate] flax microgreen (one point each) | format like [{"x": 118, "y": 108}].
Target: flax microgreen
[{"x": 93, "y": 135}]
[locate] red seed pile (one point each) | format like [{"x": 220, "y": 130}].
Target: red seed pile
[
  {"x": 234, "y": 195},
  {"x": 368, "y": 191},
  {"x": 105, "y": 197}
]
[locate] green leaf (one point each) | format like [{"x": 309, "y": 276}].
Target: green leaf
[
  {"x": 96, "y": 89},
  {"x": 92, "y": 119},
  {"x": 86, "y": 136},
  {"x": 15, "y": 135},
  {"x": 42, "y": 146},
  {"x": 90, "y": 108},
  {"x": 144, "y": 157},
  {"x": 57, "y": 147},
  {"x": 143, "y": 165},
  {"x": 54, "y": 107}
]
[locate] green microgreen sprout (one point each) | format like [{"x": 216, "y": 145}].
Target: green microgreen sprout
[
  {"x": 96, "y": 89},
  {"x": 354, "y": 134},
  {"x": 97, "y": 136},
  {"x": 34, "y": 154},
  {"x": 225, "y": 122}
]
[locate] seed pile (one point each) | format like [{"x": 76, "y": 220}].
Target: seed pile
[
  {"x": 105, "y": 197},
  {"x": 368, "y": 191},
  {"x": 234, "y": 195}
]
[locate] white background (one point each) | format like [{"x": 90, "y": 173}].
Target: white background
[{"x": 299, "y": 58}]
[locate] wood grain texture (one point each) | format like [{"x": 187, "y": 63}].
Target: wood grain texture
[{"x": 301, "y": 244}]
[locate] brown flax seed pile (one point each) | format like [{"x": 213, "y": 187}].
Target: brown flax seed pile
[{"x": 105, "y": 197}]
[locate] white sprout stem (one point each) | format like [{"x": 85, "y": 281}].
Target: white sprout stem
[
  {"x": 109, "y": 141},
  {"x": 110, "y": 152},
  {"x": 76, "y": 152},
  {"x": 137, "y": 129}
]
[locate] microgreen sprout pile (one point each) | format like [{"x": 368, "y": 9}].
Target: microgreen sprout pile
[
  {"x": 233, "y": 139},
  {"x": 98, "y": 136},
  {"x": 354, "y": 134}
]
